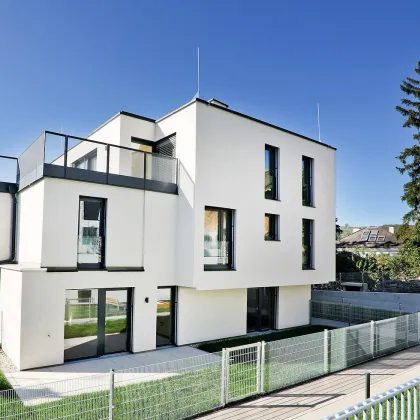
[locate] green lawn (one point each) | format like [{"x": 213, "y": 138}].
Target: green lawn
[
  {"x": 91, "y": 329},
  {"x": 215, "y": 346}
]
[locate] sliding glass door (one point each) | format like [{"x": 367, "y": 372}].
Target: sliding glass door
[
  {"x": 96, "y": 322},
  {"x": 165, "y": 316},
  {"x": 261, "y": 309}
]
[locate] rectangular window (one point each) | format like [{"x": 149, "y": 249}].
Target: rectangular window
[
  {"x": 271, "y": 227},
  {"x": 307, "y": 244},
  {"x": 271, "y": 176},
  {"x": 87, "y": 162},
  {"x": 218, "y": 238},
  {"x": 91, "y": 241},
  {"x": 307, "y": 193}
]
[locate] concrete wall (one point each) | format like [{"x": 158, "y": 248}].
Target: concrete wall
[
  {"x": 293, "y": 306},
  {"x": 230, "y": 173},
  {"x": 405, "y": 302},
  {"x": 209, "y": 315},
  {"x": 6, "y": 225},
  {"x": 29, "y": 232}
]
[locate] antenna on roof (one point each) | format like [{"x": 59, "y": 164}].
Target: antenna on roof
[
  {"x": 197, "y": 95},
  {"x": 319, "y": 126}
]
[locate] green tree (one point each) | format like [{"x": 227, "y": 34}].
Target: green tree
[
  {"x": 338, "y": 230},
  {"x": 410, "y": 156}
]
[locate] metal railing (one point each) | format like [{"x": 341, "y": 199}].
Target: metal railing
[
  {"x": 188, "y": 387},
  {"x": 350, "y": 313},
  {"x": 65, "y": 156},
  {"x": 400, "y": 402}
]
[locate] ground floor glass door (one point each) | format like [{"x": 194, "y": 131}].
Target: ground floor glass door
[
  {"x": 261, "y": 309},
  {"x": 165, "y": 316},
  {"x": 96, "y": 322}
]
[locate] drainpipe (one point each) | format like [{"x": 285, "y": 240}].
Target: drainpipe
[{"x": 12, "y": 258}]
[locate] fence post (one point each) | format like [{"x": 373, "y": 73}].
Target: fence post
[
  {"x": 372, "y": 338},
  {"x": 258, "y": 387},
  {"x": 224, "y": 382},
  {"x": 262, "y": 376},
  {"x": 326, "y": 351},
  {"x": 407, "y": 330},
  {"x": 111, "y": 394},
  {"x": 418, "y": 327}
]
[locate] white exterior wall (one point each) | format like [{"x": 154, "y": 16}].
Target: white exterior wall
[
  {"x": 30, "y": 211},
  {"x": 6, "y": 225},
  {"x": 33, "y": 337},
  {"x": 11, "y": 311},
  {"x": 209, "y": 315},
  {"x": 231, "y": 173},
  {"x": 125, "y": 235},
  {"x": 293, "y": 306}
]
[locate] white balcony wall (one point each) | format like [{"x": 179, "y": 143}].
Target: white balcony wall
[
  {"x": 231, "y": 173},
  {"x": 6, "y": 225},
  {"x": 30, "y": 215},
  {"x": 293, "y": 306}
]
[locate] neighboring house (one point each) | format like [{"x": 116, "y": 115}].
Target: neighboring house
[
  {"x": 373, "y": 239},
  {"x": 201, "y": 225}
]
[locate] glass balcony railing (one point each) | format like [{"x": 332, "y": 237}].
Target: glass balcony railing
[
  {"x": 63, "y": 156},
  {"x": 8, "y": 169}
]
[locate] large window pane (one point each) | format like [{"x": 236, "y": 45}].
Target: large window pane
[
  {"x": 307, "y": 246},
  {"x": 307, "y": 196},
  {"x": 91, "y": 232},
  {"x": 81, "y": 324},
  {"x": 116, "y": 321},
  {"x": 271, "y": 227},
  {"x": 218, "y": 246},
  {"x": 164, "y": 314},
  {"x": 271, "y": 190}
]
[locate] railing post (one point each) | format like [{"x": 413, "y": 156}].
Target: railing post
[
  {"x": 224, "y": 378},
  {"x": 258, "y": 370},
  {"x": 262, "y": 376},
  {"x": 407, "y": 329},
  {"x": 111, "y": 394},
  {"x": 326, "y": 351},
  {"x": 108, "y": 152},
  {"x": 418, "y": 327},
  {"x": 372, "y": 338},
  {"x": 367, "y": 385},
  {"x": 66, "y": 149}
]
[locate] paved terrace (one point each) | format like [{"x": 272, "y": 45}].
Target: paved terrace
[{"x": 325, "y": 396}]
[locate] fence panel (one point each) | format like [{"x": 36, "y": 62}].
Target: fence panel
[
  {"x": 85, "y": 398},
  {"x": 293, "y": 360},
  {"x": 243, "y": 372},
  {"x": 170, "y": 390}
]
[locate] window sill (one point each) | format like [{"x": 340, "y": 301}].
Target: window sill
[
  {"x": 272, "y": 240},
  {"x": 308, "y": 269},
  {"x": 308, "y": 205},
  {"x": 272, "y": 199},
  {"x": 217, "y": 268}
]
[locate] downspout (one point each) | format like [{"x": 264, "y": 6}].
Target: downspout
[{"x": 12, "y": 258}]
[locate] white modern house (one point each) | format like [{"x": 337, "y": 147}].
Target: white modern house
[{"x": 203, "y": 224}]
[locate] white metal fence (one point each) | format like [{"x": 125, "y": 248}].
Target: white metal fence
[
  {"x": 401, "y": 402},
  {"x": 184, "y": 388}
]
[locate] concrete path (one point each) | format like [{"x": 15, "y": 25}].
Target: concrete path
[
  {"x": 48, "y": 384},
  {"x": 325, "y": 396}
]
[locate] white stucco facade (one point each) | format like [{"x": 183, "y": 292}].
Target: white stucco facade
[{"x": 154, "y": 239}]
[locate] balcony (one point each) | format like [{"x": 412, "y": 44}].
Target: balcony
[{"x": 63, "y": 156}]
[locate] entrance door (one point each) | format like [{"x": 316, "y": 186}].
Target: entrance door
[
  {"x": 260, "y": 309},
  {"x": 97, "y": 322},
  {"x": 165, "y": 316}
]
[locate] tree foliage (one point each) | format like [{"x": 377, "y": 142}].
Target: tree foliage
[{"x": 410, "y": 156}]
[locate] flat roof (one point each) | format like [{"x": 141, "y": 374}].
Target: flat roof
[{"x": 240, "y": 114}]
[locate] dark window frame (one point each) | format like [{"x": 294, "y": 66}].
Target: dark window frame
[
  {"x": 230, "y": 234},
  {"x": 102, "y": 234},
  {"x": 274, "y": 231},
  {"x": 307, "y": 181},
  {"x": 308, "y": 242},
  {"x": 273, "y": 302},
  {"x": 273, "y": 171},
  {"x": 174, "y": 314}
]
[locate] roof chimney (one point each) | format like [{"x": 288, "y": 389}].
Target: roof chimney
[
  {"x": 218, "y": 103},
  {"x": 391, "y": 229}
]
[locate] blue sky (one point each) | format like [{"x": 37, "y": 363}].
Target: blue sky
[{"x": 70, "y": 65}]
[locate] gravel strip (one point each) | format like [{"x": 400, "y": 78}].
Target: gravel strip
[{"x": 6, "y": 364}]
